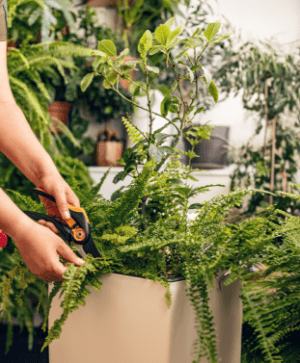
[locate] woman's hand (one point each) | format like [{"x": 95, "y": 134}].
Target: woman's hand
[
  {"x": 63, "y": 194},
  {"x": 40, "y": 249}
]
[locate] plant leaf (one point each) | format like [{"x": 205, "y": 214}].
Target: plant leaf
[
  {"x": 170, "y": 22},
  {"x": 162, "y": 34},
  {"x": 153, "y": 69},
  {"x": 213, "y": 90},
  {"x": 200, "y": 109},
  {"x": 212, "y": 30},
  {"x": 110, "y": 78},
  {"x": 86, "y": 81},
  {"x": 207, "y": 75},
  {"x": 221, "y": 38},
  {"x": 107, "y": 46},
  {"x": 174, "y": 35},
  {"x": 145, "y": 43}
]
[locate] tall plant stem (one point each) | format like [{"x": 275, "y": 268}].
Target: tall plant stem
[
  {"x": 149, "y": 110},
  {"x": 267, "y": 121},
  {"x": 273, "y": 157}
]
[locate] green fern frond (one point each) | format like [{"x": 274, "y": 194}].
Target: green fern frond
[
  {"x": 134, "y": 134},
  {"x": 127, "y": 204},
  {"x": 14, "y": 4},
  {"x": 254, "y": 316}
]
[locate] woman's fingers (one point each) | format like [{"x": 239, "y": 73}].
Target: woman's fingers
[{"x": 50, "y": 225}]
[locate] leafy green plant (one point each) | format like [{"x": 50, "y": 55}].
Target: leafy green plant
[
  {"x": 33, "y": 21},
  {"x": 142, "y": 15},
  {"x": 145, "y": 229},
  {"x": 268, "y": 76}
]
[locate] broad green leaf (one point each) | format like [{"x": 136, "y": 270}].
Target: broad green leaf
[
  {"x": 153, "y": 69},
  {"x": 213, "y": 90},
  {"x": 145, "y": 43},
  {"x": 212, "y": 30},
  {"x": 124, "y": 52},
  {"x": 108, "y": 47},
  {"x": 155, "y": 49},
  {"x": 137, "y": 91},
  {"x": 194, "y": 68},
  {"x": 195, "y": 206},
  {"x": 164, "y": 107},
  {"x": 207, "y": 75},
  {"x": 174, "y": 35},
  {"x": 184, "y": 52},
  {"x": 86, "y": 81},
  {"x": 197, "y": 32},
  {"x": 221, "y": 38},
  {"x": 110, "y": 78},
  {"x": 162, "y": 34},
  {"x": 169, "y": 103},
  {"x": 200, "y": 109},
  {"x": 120, "y": 176},
  {"x": 173, "y": 87},
  {"x": 170, "y": 22}
]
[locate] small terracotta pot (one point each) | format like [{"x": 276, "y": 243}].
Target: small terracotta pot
[
  {"x": 107, "y": 152},
  {"x": 105, "y": 3},
  {"x": 61, "y": 111}
]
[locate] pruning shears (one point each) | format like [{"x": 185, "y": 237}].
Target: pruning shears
[{"x": 76, "y": 229}]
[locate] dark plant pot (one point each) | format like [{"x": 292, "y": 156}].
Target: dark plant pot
[
  {"x": 61, "y": 111},
  {"x": 19, "y": 352},
  {"x": 213, "y": 152}
]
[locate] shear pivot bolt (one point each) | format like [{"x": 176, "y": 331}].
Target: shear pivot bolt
[{"x": 80, "y": 234}]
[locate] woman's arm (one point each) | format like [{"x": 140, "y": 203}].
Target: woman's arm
[{"x": 38, "y": 245}]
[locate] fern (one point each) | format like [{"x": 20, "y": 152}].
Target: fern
[
  {"x": 127, "y": 204},
  {"x": 197, "y": 291},
  {"x": 135, "y": 135}
]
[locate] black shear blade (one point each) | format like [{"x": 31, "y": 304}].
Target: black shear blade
[{"x": 88, "y": 247}]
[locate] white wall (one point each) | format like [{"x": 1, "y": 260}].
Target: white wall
[{"x": 255, "y": 19}]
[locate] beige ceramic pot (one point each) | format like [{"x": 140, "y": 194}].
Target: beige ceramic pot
[{"x": 128, "y": 321}]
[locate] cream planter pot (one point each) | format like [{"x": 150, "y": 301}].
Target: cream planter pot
[{"x": 128, "y": 321}]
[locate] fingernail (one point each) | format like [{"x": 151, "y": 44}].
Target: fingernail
[{"x": 80, "y": 261}]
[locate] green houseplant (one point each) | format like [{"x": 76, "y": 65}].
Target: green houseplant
[
  {"x": 266, "y": 74},
  {"x": 144, "y": 230}
]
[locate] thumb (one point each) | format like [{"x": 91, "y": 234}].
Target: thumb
[{"x": 67, "y": 253}]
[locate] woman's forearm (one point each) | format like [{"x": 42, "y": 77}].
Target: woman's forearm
[
  {"x": 21, "y": 146},
  {"x": 12, "y": 220}
]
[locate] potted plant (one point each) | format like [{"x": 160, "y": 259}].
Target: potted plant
[
  {"x": 146, "y": 230},
  {"x": 269, "y": 71}
]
